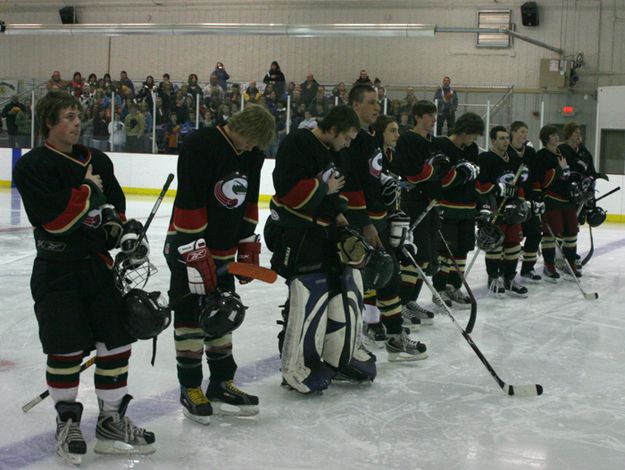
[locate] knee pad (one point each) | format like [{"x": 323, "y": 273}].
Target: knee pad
[{"x": 304, "y": 333}]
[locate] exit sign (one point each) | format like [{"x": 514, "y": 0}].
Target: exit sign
[{"x": 568, "y": 110}]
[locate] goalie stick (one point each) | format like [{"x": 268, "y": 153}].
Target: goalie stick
[{"x": 516, "y": 390}]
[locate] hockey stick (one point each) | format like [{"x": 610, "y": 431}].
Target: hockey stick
[
  {"x": 492, "y": 220},
  {"x": 587, "y": 296},
  {"x": 592, "y": 248},
  {"x": 618, "y": 188},
  {"x": 473, "y": 315},
  {"x": 516, "y": 390},
  {"x": 157, "y": 204},
  {"x": 252, "y": 271},
  {"x": 425, "y": 212},
  {"x": 42, "y": 396}
]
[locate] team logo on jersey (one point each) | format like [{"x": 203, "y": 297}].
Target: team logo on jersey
[
  {"x": 231, "y": 191},
  {"x": 375, "y": 164},
  {"x": 274, "y": 215}
]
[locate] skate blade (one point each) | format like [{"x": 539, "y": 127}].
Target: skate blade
[
  {"x": 122, "y": 448},
  {"x": 550, "y": 280},
  {"x": 404, "y": 357},
  {"x": 371, "y": 343},
  {"x": 459, "y": 306},
  {"x": 427, "y": 321},
  {"x": 225, "y": 409},
  {"x": 69, "y": 458},
  {"x": 204, "y": 420},
  {"x": 516, "y": 295}
]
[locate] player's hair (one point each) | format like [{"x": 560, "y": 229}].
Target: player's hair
[
  {"x": 255, "y": 123},
  {"x": 422, "y": 107},
  {"x": 469, "y": 123},
  {"x": 546, "y": 132},
  {"x": 493, "y": 132},
  {"x": 381, "y": 123},
  {"x": 49, "y": 107},
  {"x": 516, "y": 125},
  {"x": 357, "y": 93},
  {"x": 570, "y": 128},
  {"x": 342, "y": 118}
]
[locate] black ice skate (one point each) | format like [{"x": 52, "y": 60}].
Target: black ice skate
[
  {"x": 514, "y": 289},
  {"x": 228, "y": 400},
  {"x": 375, "y": 334},
  {"x": 496, "y": 287},
  {"x": 550, "y": 272},
  {"x": 70, "y": 443},
  {"x": 531, "y": 276},
  {"x": 195, "y": 405}
]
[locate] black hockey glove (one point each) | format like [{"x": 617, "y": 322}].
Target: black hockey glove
[
  {"x": 507, "y": 190},
  {"x": 135, "y": 255},
  {"x": 111, "y": 225},
  {"x": 468, "y": 170},
  {"x": 440, "y": 164},
  {"x": 538, "y": 208},
  {"x": 485, "y": 213}
]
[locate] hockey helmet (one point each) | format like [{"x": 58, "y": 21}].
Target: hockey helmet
[
  {"x": 489, "y": 237},
  {"x": 596, "y": 216},
  {"x": 378, "y": 271},
  {"x": 147, "y": 313},
  {"x": 221, "y": 313},
  {"x": 352, "y": 247},
  {"x": 516, "y": 212}
]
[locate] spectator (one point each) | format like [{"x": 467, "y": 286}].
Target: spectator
[
  {"x": 86, "y": 96},
  {"x": 147, "y": 129},
  {"x": 251, "y": 94},
  {"x": 222, "y": 75},
  {"x": 56, "y": 83},
  {"x": 381, "y": 97},
  {"x": 86, "y": 128},
  {"x": 276, "y": 78},
  {"x": 172, "y": 134},
  {"x": 363, "y": 78},
  {"x": 23, "y": 121},
  {"x": 108, "y": 86},
  {"x": 309, "y": 89},
  {"x": 319, "y": 101},
  {"x": 309, "y": 121},
  {"x": 135, "y": 127},
  {"x": 168, "y": 96},
  {"x": 125, "y": 81},
  {"x": 145, "y": 93},
  {"x": 167, "y": 80},
  {"x": 193, "y": 88},
  {"x": 9, "y": 112},
  {"x": 76, "y": 85},
  {"x": 92, "y": 81},
  {"x": 447, "y": 104},
  {"x": 181, "y": 109},
  {"x": 290, "y": 88},
  {"x": 395, "y": 109},
  {"x": 100, "y": 131},
  {"x": 223, "y": 115},
  {"x": 234, "y": 96},
  {"x": 404, "y": 123},
  {"x": 213, "y": 90},
  {"x": 117, "y": 134},
  {"x": 339, "y": 89}
]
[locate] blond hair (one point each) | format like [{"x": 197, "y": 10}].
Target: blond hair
[{"x": 254, "y": 123}]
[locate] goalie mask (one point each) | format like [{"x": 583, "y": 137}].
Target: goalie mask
[
  {"x": 596, "y": 216},
  {"x": 378, "y": 271},
  {"x": 489, "y": 237},
  {"x": 221, "y": 313},
  {"x": 147, "y": 313},
  {"x": 352, "y": 247}
]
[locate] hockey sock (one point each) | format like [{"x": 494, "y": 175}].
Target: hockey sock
[
  {"x": 529, "y": 260},
  {"x": 390, "y": 312},
  {"x": 494, "y": 262},
  {"x": 219, "y": 357},
  {"x": 189, "y": 339},
  {"x": 441, "y": 278},
  {"x": 111, "y": 375},
  {"x": 63, "y": 376},
  {"x": 510, "y": 260},
  {"x": 569, "y": 248},
  {"x": 409, "y": 279},
  {"x": 454, "y": 277},
  {"x": 548, "y": 245}
]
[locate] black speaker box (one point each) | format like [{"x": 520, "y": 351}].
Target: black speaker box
[
  {"x": 68, "y": 15},
  {"x": 529, "y": 14}
]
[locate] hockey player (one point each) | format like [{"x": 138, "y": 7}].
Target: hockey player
[
  {"x": 498, "y": 168},
  {"x": 421, "y": 167},
  {"x": 560, "y": 214},
  {"x": 214, "y": 218},
  {"x": 372, "y": 193},
  {"x": 76, "y": 207},
  {"x": 532, "y": 189},
  {"x": 323, "y": 317},
  {"x": 458, "y": 208}
]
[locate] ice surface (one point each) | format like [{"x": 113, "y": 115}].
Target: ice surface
[{"x": 442, "y": 413}]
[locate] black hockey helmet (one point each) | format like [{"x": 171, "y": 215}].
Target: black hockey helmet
[
  {"x": 516, "y": 212},
  {"x": 596, "y": 216},
  {"x": 221, "y": 313},
  {"x": 147, "y": 313},
  {"x": 378, "y": 271},
  {"x": 489, "y": 237}
]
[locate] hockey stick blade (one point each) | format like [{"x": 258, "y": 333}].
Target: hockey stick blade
[
  {"x": 523, "y": 390},
  {"x": 252, "y": 271},
  {"x": 591, "y": 296}
]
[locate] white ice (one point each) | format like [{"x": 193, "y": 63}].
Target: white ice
[{"x": 446, "y": 412}]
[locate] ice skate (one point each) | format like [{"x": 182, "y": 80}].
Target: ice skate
[
  {"x": 375, "y": 334},
  {"x": 496, "y": 287},
  {"x": 514, "y": 289},
  {"x": 550, "y": 272},
  {"x": 531, "y": 276},
  {"x": 195, "y": 405},
  {"x": 415, "y": 315},
  {"x": 401, "y": 348},
  {"x": 70, "y": 443},
  {"x": 228, "y": 400},
  {"x": 458, "y": 299}
]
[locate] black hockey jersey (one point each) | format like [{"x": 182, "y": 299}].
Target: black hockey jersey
[
  {"x": 532, "y": 186},
  {"x": 580, "y": 160},
  {"x": 217, "y": 196},
  {"x": 57, "y": 199},
  {"x": 554, "y": 187}
]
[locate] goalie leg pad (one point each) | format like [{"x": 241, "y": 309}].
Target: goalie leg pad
[{"x": 302, "y": 368}]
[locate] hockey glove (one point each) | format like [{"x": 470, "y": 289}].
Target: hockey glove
[
  {"x": 468, "y": 170},
  {"x": 201, "y": 270},
  {"x": 399, "y": 232},
  {"x": 390, "y": 188},
  {"x": 440, "y": 164},
  {"x": 135, "y": 255},
  {"x": 249, "y": 251},
  {"x": 112, "y": 226},
  {"x": 484, "y": 214},
  {"x": 507, "y": 190},
  {"x": 538, "y": 208}
]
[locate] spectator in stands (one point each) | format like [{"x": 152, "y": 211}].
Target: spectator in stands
[
  {"x": 394, "y": 109},
  {"x": 23, "y": 121},
  {"x": 56, "y": 83},
  {"x": 338, "y": 89},
  {"x": 180, "y": 107},
  {"x": 100, "y": 131},
  {"x": 309, "y": 121},
  {"x": 234, "y": 95},
  {"x": 213, "y": 90},
  {"x": 193, "y": 88},
  {"x": 251, "y": 94},
  {"x": 92, "y": 81},
  {"x": 124, "y": 80},
  {"x": 404, "y": 123},
  {"x": 117, "y": 134},
  {"x": 447, "y": 104},
  {"x": 381, "y": 97},
  {"x": 271, "y": 101},
  {"x": 290, "y": 88},
  {"x": 135, "y": 127},
  {"x": 147, "y": 131},
  {"x": 86, "y": 127},
  {"x": 223, "y": 115},
  {"x": 276, "y": 78},
  {"x": 222, "y": 75},
  {"x": 76, "y": 85},
  {"x": 145, "y": 93},
  {"x": 309, "y": 89},
  {"x": 167, "y": 80},
  {"x": 363, "y": 78},
  {"x": 168, "y": 97},
  {"x": 172, "y": 134},
  {"x": 319, "y": 102},
  {"x": 9, "y": 113}
]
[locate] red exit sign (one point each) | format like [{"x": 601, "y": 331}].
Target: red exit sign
[{"x": 568, "y": 110}]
